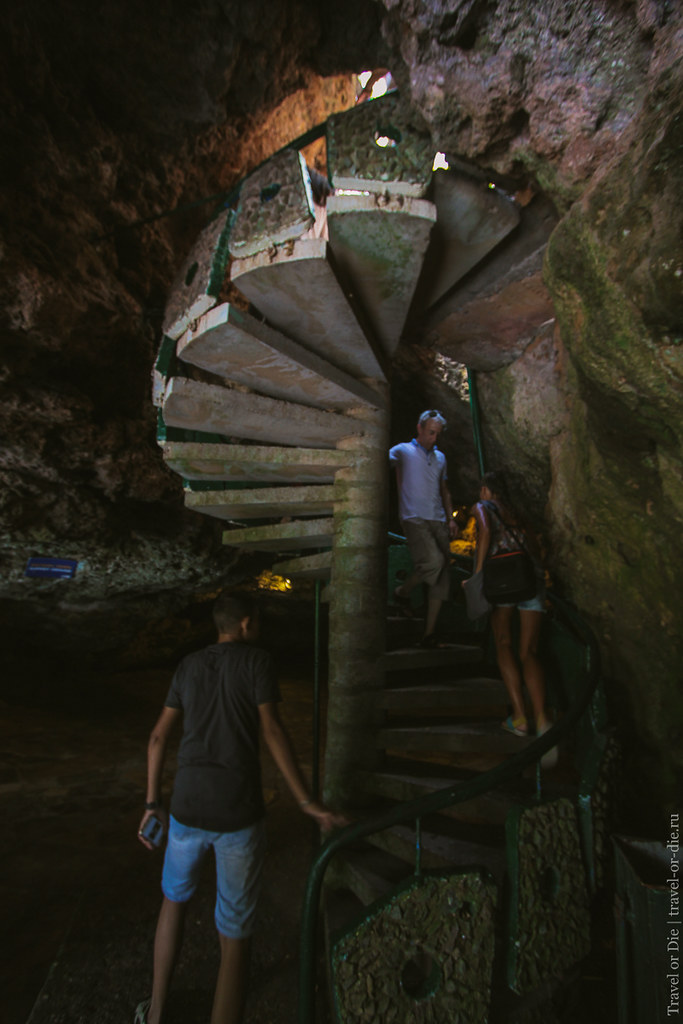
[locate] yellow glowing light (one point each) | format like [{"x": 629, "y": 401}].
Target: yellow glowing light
[
  {"x": 271, "y": 581},
  {"x": 467, "y": 540}
]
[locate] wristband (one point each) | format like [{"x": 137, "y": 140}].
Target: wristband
[
  {"x": 305, "y": 803},
  {"x": 151, "y": 805}
]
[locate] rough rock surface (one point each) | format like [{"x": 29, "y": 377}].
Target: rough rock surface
[
  {"x": 112, "y": 116},
  {"x": 111, "y": 119},
  {"x": 547, "y": 87},
  {"x": 615, "y": 267}
]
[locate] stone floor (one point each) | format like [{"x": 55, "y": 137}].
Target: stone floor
[{"x": 80, "y": 894}]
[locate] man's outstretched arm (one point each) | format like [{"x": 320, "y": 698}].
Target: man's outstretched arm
[{"x": 279, "y": 744}]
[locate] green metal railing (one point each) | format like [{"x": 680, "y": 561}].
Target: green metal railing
[
  {"x": 415, "y": 810},
  {"x": 476, "y": 419}
]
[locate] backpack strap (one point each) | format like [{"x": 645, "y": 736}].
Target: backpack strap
[{"x": 490, "y": 506}]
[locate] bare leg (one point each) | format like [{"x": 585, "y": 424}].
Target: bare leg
[
  {"x": 501, "y": 622},
  {"x": 433, "y": 609},
  {"x": 532, "y": 670},
  {"x": 231, "y": 984},
  {"x": 167, "y": 943}
]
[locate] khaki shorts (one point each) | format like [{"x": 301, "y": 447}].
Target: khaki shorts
[{"x": 429, "y": 543}]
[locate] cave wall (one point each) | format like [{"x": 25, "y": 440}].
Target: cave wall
[
  {"x": 587, "y": 415},
  {"x": 112, "y": 116},
  {"x": 615, "y": 268}
]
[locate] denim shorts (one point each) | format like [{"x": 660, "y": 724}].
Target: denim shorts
[
  {"x": 239, "y": 860},
  {"x": 534, "y": 604}
]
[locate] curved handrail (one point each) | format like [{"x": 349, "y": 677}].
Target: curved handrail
[{"x": 446, "y": 797}]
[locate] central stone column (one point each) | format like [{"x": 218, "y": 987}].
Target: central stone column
[{"x": 357, "y": 609}]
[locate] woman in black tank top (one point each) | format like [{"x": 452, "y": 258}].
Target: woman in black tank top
[{"x": 499, "y": 527}]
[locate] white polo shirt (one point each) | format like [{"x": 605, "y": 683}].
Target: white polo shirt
[{"x": 419, "y": 480}]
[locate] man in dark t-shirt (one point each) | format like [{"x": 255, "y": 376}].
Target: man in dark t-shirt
[{"x": 225, "y": 694}]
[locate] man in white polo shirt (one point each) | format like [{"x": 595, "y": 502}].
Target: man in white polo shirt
[{"x": 426, "y": 514}]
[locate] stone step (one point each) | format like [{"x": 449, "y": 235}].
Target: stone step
[
  {"x": 263, "y": 503},
  {"x": 295, "y": 287},
  {"x": 439, "y": 851},
  {"x": 230, "y": 343},
  {"x": 297, "y": 536},
  {"x": 317, "y": 567},
  {"x": 480, "y": 736},
  {"x": 162, "y": 370},
  {"x": 461, "y": 693},
  {"x": 254, "y": 463},
  {"x": 369, "y": 872},
  {"x": 379, "y": 242},
  {"x": 200, "y": 279},
  {"x": 374, "y": 147},
  {"x": 275, "y": 205},
  {"x": 471, "y": 220},
  {"x": 405, "y": 659},
  {"x": 192, "y": 405},
  {"x": 490, "y": 807},
  {"x": 472, "y": 324}
]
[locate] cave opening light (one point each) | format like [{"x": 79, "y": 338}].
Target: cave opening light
[{"x": 374, "y": 84}]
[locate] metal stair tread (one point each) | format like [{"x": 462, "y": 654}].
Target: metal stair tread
[{"x": 264, "y": 503}]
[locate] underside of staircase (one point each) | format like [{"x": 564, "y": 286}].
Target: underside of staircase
[{"x": 274, "y": 408}]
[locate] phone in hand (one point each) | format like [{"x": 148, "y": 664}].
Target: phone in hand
[{"x": 153, "y": 831}]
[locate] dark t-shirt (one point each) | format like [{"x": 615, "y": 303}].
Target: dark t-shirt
[{"x": 218, "y": 781}]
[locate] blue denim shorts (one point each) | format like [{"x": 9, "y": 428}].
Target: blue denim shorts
[
  {"x": 534, "y": 604},
  {"x": 239, "y": 860}
]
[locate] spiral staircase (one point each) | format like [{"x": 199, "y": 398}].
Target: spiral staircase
[{"x": 454, "y": 899}]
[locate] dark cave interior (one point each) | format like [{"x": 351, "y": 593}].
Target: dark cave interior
[{"x": 118, "y": 122}]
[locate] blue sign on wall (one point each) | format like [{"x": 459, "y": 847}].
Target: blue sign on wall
[{"x": 51, "y": 568}]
